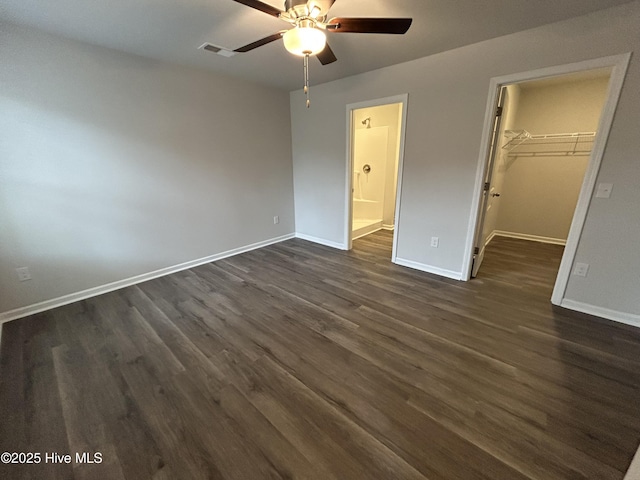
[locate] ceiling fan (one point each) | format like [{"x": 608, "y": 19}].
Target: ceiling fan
[{"x": 308, "y": 38}]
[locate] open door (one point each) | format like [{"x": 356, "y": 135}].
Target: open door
[{"x": 480, "y": 239}]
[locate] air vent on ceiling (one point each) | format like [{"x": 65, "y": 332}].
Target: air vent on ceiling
[{"x": 216, "y": 49}]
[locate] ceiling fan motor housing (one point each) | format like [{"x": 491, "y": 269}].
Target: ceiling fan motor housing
[
  {"x": 301, "y": 8},
  {"x": 289, "y": 4}
]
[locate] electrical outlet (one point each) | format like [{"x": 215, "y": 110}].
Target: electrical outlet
[
  {"x": 581, "y": 269},
  {"x": 23, "y": 274},
  {"x": 435, "y": 241},
  {"x": 604, "y": 190},
  {"x": 276, "y": 220}
]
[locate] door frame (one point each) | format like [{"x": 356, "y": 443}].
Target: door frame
[
  {"x": 403, "y": 99},
  {"x": 618, "y": 65}
]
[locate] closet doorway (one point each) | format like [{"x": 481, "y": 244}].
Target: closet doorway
[
  {"x": 374, "y": 166},
  {"x": 544, "y": 147}
]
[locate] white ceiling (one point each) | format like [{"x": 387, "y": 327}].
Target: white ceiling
[{"x": 172, "y": 30}]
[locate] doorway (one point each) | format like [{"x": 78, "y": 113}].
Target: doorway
[
  {"x": 374, "y": 167},
  {"x": 546, "y": 136}
]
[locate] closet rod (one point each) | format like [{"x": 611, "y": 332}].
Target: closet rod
[
  {"x": 518, "y": 137},
  {"x": 563, "y": 153}
]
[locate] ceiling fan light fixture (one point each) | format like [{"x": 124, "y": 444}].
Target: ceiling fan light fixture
[
  {"x": 303, "y": 41},
  {"x": 309, "y": 20}
]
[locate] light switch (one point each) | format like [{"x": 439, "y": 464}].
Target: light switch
[{"x": 604, "y": 190}]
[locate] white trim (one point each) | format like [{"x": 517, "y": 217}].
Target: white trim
[
  {"x": 387, "y": 227},
  {"x": 109, "y": 287},
  {"x": 634, "y": 469},
  {"x": 621, "y": 317},
  {"x": 428, "y": 268},
  {"x": 485, "y": 205},
  {"x": 403, "y": 99},
  {"x": 403, "y": 134},
  {"x": 526, "y": 236},
  {"x": 489, "y": 238},
  {"x": 476, "y": 202},
  {"x": 364, "y": 231},
  {"x": 321, "y": 241},
  {"x": 360, "y": 235},
  {"x": 618, "y": 65}
]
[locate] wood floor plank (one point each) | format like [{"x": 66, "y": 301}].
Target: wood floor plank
[
  {"x": 298, "y": 361},
  {"x": 86, "y": 429},
  {"x": 13, "y": 437},
  {"x": 138, "y": 454},
  {"x": 170, "y": 423},
  {"x": 300, "y": 413},
  {"x": 41, "y": 398},
  {"x": 280, "y": 451}
]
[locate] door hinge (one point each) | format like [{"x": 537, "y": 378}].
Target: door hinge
[
  {"x": 499, "y": 112},
  {"x": 487, "y": 186},
  {"x": 476, "y": 250}
]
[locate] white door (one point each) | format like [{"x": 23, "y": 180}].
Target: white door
[{"x": 488, "y": 195}]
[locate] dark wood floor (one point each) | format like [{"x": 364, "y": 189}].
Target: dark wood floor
[{"x": 299, "y": 361}]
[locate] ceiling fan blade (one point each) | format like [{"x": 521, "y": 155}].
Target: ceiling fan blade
[
  {"x": 261, "y": 42},
  {"x": 396, "y": 26},
  {"x": 263, "y": 7},
  {"x": 326, "y": 56}
]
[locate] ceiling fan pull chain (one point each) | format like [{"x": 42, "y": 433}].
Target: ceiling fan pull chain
[{"x": 306, "y": 78}]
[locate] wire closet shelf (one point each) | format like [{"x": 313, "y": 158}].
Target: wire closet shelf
[{"x": 521, "y": 143}]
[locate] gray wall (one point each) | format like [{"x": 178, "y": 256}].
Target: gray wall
[
  {"x": 447, "y": 101},
  {"x": 113, "y": 165}
]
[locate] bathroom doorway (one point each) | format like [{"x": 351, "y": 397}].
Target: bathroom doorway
[{"x": 376, "y": 138}]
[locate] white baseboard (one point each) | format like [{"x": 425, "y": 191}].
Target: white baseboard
[
  {"x": 429, "y": 269},
  {"x": 526, "y": 236},
  {"x": 634, "y": 469},
  {"x": 361, "y": 232},
  {"x": 622, "y": 317},
  {"x": 321, "y": 241},
  {"x": 109, "y": 287},
  {"x": 365, "y": 233},
  {"x": 489, "y": 238},
  {"x": 387, "y": 227}
]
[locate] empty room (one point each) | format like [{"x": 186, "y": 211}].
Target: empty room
[{"x": 323, "y": 239}]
